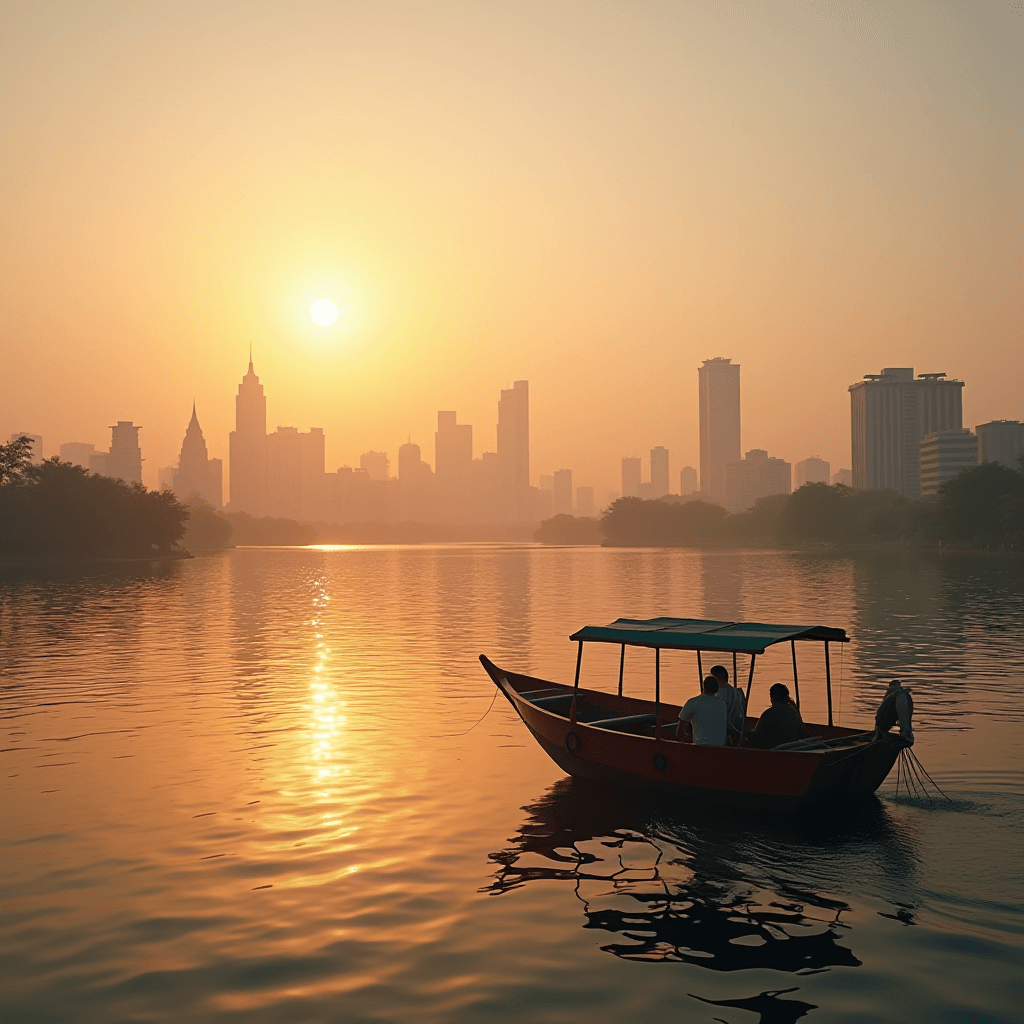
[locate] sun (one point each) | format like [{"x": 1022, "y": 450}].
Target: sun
[{"x": 324, "y": 312}]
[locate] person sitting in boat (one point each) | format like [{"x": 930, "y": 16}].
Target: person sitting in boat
[
  {"x": 705, "y": 715},
  {"x": 897, "y": 706},
  {"x": 735, "y": 704},
  {"x": 780, "y": 723}
]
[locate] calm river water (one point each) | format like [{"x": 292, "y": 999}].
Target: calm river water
[{"x": 270, "y": 785}]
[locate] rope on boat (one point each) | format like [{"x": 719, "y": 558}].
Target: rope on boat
[{"x": 452, "y": 735}]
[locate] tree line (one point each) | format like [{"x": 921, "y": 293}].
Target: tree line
[
  {"x": 61, "y": 511},
  {"x": 981, "y": 507}
]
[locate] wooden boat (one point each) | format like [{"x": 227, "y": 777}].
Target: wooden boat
[{"x": 627, "y": 742}]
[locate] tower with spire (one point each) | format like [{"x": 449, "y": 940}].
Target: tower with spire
[
  {"x": 197, "y": 473},
  {"x": 248, "y": 447}
]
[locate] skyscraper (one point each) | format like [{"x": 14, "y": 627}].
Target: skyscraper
[
  {"x": 630, "y": 477},
  {"x": 943, "y": 455},
  {"x": 514, "y": 450},
  {"x": 890, "y": 412},
  {"x": 659, "y": 472},
  {"x": 248, "y": 447},
  {"x": 453, "y": 449},
  {"x": 295, "y": 473},
  {"x": 719, "y": 400},
  {"x": 77, "y": 453},
  {"x": 562, "y": 503},
  {"x": 124, "y": 461},
  {"x": 197, "y": 473},
  {"x": 36, "y": 451},
  {"x": 376, "y": 464},
  {"x": 687, "y": 480}
]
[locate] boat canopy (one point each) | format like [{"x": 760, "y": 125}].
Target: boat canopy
[{"x": 704, "y": 634}]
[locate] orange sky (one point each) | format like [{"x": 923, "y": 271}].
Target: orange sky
[{"x": 594, "y": 197}]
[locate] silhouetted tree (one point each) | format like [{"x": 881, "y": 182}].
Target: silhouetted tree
[
  {"x": 979, "y": 503},
  {"x": 565, "y": 529},
  {"x": 60, "y": 510},
  {"x": 15, "y": 457},
  {"x": 635, "y": 521},
  {"x": 205, "y": 529}
]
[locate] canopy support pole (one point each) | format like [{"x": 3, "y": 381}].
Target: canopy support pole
[
  {"x": 657, "y": 693},
  {"x": 750, "y": 682},
  {"x": 828, "y": 683},
  {"x": 622, "y": 666},
  {"x": 700, "y": 673},
  {"x": 733, "y": 668},
  {"x": 796, "y": 680},
  {"x": 576, "y": 685}
]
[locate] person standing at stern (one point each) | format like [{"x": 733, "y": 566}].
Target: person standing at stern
[{"x": 706, "y": 715}]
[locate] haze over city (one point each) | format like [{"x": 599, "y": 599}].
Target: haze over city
[{"x": 590, "y": 198}]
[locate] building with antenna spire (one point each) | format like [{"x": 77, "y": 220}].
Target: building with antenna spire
[
  {"x": 197, "y": 473},
  {"x": 248, "y": 447}
]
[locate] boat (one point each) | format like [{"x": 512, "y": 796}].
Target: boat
[{"x": 630, "y": 743}]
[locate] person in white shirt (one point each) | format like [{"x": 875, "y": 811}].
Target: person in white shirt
[
  {"x": 735, "y": 704},
  {"x": 706, "y": 715}
]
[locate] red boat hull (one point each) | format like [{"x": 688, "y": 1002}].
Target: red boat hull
[{"x": 647, "y": 758}]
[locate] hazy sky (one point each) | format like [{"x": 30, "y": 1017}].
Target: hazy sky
[{"x": 594, "y": 197}]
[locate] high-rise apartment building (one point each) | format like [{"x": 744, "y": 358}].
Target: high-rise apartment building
[
  {"x": 585, "y": 505},
  {"x": 753, "y": 477},
  {"x": 1000, "y": 441},
  {"x": 719, "y": 399},
  {"x": 687, "y": 481},
  {"x": 376, "y": 464},
  {"x": 514, "y": 450},
  {"x": 811, "y": 471},
  {"x": 562, "y": 496},
  {"x": 453, "y": 449},
  {"x": 843, "y": 476},
  {"x": 197, "y": 473},
  {"x": 295, "y": 473},
  {"x": 36, "y": 451},
  {"x": 124, "y": 460},
  {"x": 659, "y": 472},
  {"x": 247, "y": 452},
  {"x": 943, "y": 455},
  {"x": 630, "y": 477},
  {"x": 890, "y": 412}
]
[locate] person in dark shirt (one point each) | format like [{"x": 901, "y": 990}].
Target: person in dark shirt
[{"x": 780, "y": 723}]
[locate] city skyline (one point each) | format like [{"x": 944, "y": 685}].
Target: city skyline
[{"x": 791, "y": 197}]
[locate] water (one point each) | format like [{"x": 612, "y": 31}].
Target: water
[{"x": 271, "y": 785}]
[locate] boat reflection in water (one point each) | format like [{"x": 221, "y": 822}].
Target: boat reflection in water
[{"x": 723, "y": 893}]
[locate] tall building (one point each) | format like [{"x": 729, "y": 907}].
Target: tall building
[
  {"x": 77, "y": 453},
  {"x": 585, "y": 506},
  {"x": 659, "y": 472},
  {"x": 248, "y": 448},
  {"x": 943, "y": 455},
  {"x": 453, "y": 449},
  {"x": 889, "y": 414},
  {"x": 719, "y": 398},
  {"x": 630, "y": 477},
  {"x": 1000, "y": 441},
  {"x": 295, "y": 473},
  {"x": 36, "y": 451},
  {"x": 687, "y": 480},
  {"x": 376, "y": 464},
  {"x": 562, "y": 496},
  {"x": 514, "y": 450},
  {"x": 124, "y": 460},
  {"x": 753, "y": 477},
  {"x": 197, "y": 473},
  {"x": 811, "y": 471},
  {"x": 843, "y": 476}
]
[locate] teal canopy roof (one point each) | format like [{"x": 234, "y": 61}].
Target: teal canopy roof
[{"x": 704, "y": 634}]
